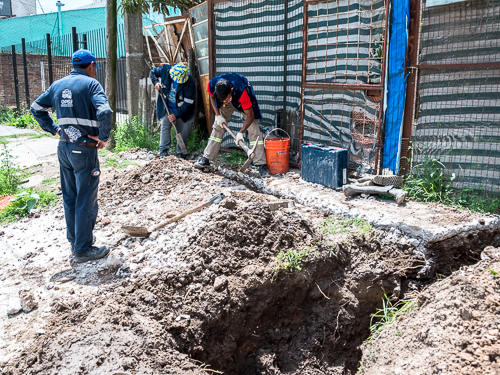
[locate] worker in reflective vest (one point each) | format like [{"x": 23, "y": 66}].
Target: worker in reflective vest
[
  {"x": 230, "y": 92},
  {"x": 84, "y": 125}
]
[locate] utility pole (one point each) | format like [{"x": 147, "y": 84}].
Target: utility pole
[
  {"x": 134, "y": 48},
  {"x": 59, "y": 18},
  {"x": 111, "y": 57}
]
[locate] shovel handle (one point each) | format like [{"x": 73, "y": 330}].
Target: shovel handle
[
  {"x": 186, "y": 213},
  {"x": 242, "y": 144}
]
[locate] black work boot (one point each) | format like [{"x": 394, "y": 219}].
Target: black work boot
[
  {"x": 264, "y": 171},
  {"x": 163, "y": 153},
  {"x": 92, "y": 253},
  {"x": 73, "y": 247},
  {"x": 202, "y": 163}
]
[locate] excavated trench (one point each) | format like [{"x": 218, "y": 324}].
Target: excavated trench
[{"x": 314, "y": 321}]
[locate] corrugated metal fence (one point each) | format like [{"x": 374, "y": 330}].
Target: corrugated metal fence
[{"x": 458, "y": 100}]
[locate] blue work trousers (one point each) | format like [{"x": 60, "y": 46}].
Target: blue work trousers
[{"x": 79, "y": 188}]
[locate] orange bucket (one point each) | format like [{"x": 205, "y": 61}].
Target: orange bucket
[{"x": 277, "y": 152}]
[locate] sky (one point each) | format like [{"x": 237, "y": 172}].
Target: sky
[{"x": 50, "y": 5}]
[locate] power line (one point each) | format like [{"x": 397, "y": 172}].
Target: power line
[{"x": 39, "y": 3}]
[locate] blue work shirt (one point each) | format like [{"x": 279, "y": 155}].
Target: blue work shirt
[{"x": 81, "y": 106}]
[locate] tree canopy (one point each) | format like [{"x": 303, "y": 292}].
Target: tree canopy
[{"x": 159, "y": 6}]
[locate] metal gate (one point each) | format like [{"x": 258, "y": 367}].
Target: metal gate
[
  {"x": 457, "y": 117},
  {"x": 343, "y": 77}
]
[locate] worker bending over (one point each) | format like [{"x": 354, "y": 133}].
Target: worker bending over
[{"x": 229, "y": 92}]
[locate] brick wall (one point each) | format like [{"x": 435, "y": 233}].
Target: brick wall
[{"x": 61, "y": 68}]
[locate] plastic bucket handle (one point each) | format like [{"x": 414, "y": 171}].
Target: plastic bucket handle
[{"x": 274, "y": 130}]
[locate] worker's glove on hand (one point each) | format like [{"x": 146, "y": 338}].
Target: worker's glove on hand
[
  {"x": 239, "y": 138},
  {"x": 219, "y": 120}
]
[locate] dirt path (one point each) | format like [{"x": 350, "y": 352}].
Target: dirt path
[{"x": 208, "y": 295}]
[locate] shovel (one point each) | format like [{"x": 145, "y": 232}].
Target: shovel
[
  {"x": 178, "y": 136},
  {"x": 250, "y": 152},
  {"x": 144, "y": 232}
]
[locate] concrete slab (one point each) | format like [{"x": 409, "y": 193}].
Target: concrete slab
[
  {"x": 6, "y": 131},
  {"x": 428, "y": 223},
  {"x": 29, "y": 152}
]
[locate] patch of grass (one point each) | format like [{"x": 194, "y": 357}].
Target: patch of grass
[
  {"x": 477, "y": 200},
  {"x": 341, "y": 225},
  {"x": 235, "y": 157},
  {"x": 50, "y": 181},
  {"x": 428, "y": 182},
  {"x": 133, "y": 133},
  {"x": 117, "y": 163},
  {"x": 387, "y": 315},
  {"x": 290, "y": 260},
  {"x": 6, "y": 138},
  {"x": 195, "y": 144},
  {"x": 103, "y": 153},
  {"x": 42, "y": 135},
  {"x": 25, "y": 202}
]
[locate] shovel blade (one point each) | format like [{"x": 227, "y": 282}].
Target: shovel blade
[{"x": 136, "y": 231}]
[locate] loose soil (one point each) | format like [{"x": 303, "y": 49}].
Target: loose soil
[{"x": 208, "y": 295}]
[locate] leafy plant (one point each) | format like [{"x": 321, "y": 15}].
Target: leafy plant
[
  {"x": 9, "y": 175},
  {"x": 493, "y": 272},
  {"x": 476, "y": 199},
  {"x": 340, "y": 225},
  {"x": 428, "y": 182},
  {"x": 387, "y": 315},
  {"x": 23, "y": 203},
  {"x": 6, "y": 115},
  {"x": 195, "y": 144},
  {"x": 133, "y": 133},
  {"x": 50, "y": 181},
  {"x": 24, "y": 121}
]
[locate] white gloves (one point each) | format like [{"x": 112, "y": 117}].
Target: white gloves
[
  {"x": 239, "y": 138},
  {"x": 219, "y": 120}
]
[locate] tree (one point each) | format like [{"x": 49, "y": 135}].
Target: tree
[
  {"x": 111, "y": 58},
  {"x": 159, "y": 6}
]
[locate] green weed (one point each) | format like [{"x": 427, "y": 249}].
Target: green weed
[
  {"x": 133, "y": 133},
  {"x": 195, "y": 144},
  {"x": 339, "y": 225},
  {"x": 477, "y": 200},
  {"x": 9, "y": 175},
  {"x": 428, "y": 182},
  {"x": 50, "y": 181},
  {"x": 290, "y": 260},
  {"x": 25, "y": 121},
  {"x": 6, "y": 115},
  {"x": 493, "y": 272},
  {"x": 387, "y": 315},
  {"x": 24, "y": 202}
]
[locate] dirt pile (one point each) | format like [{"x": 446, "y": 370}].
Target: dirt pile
[
  {"x": 453, "y": 330},
  {"x": 222, "y": 307}
]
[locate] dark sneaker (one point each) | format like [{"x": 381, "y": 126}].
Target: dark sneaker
[
  {"x": 264, "y": 171},
  {"x": 73, "y": 246},
  {"x": 92, "y": 253},
  {"x": 163, "y": 153},
  {"x": 202, "y": 163}
]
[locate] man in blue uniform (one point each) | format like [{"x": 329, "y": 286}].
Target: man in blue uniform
[
  {"x": 85, "y": 122},
  {"x": 230, "y": 92},
  {"x": 179, "y": 91}
]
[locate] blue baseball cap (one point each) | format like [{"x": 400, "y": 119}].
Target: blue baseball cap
[{"x": 83, "y": 56}]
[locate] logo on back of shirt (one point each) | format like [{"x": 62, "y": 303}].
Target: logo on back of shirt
[
  {"x": 67, "y": 98},
  {"x": 72, "y": 133}
]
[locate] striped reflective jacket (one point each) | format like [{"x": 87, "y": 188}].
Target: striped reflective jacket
[{"x": 81, "y": 108}]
